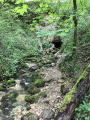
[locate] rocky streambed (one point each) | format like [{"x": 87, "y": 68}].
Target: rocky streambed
[{"x": 37, "y": 94}]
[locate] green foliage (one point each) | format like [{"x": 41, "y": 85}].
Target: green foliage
[
  {"x": 43, "y": 94},
  {"x": 83, "y": 110},
  {"x": 39, "y": 82},
  {"x": 2, "y": 88},
  {"x": 8, "y": 83},
  {"x": 17, "y": 41},
  {"x": 29, "y": 107},
  {"x": 11, "y": 81},
  {"x": 31, "y": 99},
  {"x": 46, "y": 44},
  {"x": 34, "y": 98},
  {"x": 12, "y": 97},
  {"x": 33, "y": 90},
  {"x": 70, "y": 66}
]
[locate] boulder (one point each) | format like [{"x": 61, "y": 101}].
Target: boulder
[{"x": 47, "y": 114}]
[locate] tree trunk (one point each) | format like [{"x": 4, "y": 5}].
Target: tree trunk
[
  {"x": 75, "y": 22},
  {"x": 83, "y": 84}
]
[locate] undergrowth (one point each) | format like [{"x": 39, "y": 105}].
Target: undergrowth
[
  {"x": 82, "y": 112},
  {"x": 76, "y": 61},
  {"x": 16, "y": 41}
]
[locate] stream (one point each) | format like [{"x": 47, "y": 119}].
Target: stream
[{"x": 11, "y": 109}]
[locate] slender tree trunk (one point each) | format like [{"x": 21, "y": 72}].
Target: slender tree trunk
[{"x": 75, "y": 23}]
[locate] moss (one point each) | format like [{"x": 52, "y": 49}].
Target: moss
[
  {"x": 31, "y": 99},
  {"x": 34, "y": 98},
  {"x": 61, "y": 88},
  {"x": 39, "y": 82},
  {"x": 29, "y": 107},
  {"x": 33, "y": 90},
  {"x": 43, "y": 94},
  {"x": 11, "y": 81},
  {"x": 69, "y": 96},
  {"x": 12, "y": 97},
  {"x": 34, "y": 75},
  {"x": 47, "y": 102},
  {"x": 29, "y": 114},
  {"x": 2, "y": 88}
]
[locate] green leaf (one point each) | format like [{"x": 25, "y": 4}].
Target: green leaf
[
  {"x": 62, "y": 34},
  {"x": 41, "y": 5},
  {"x": 32, "y": 29},
  {"x": 39, "y": 10},
  {"x": 2, "y": 1},
  {"x": 51, "y": 20},
  {"x": 46, "y": 5},
  {"x": 20, "y": 1}
]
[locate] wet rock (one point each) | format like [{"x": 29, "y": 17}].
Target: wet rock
[
  {"x": 10, "y": 118},
  {"x": 6, "y": 108},
  {"x": 47, "y": 114},
  {"x": 6, "y": 111},
  {"x": 16, "y": 110},
  {"x": 30, "y": 116},
  {"x": 32, "y": 66},
  {"x": 7, "y": 118}
]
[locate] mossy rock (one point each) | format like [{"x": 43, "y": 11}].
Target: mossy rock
[
  {"x": 31, "y": 99},
  {"x": 10, "y": 81},
  {"x": 28, "y": 108},
  {"x": 43, "y": 94},
  {"x": 33, "y": 90},
  {"x": 34, "y": 75},
  {"x": 12, "y": 97},
  {"x": 34, "y": 98},
  {"x": 2, "y": 88},
  {"x": 39, "y": 82}
]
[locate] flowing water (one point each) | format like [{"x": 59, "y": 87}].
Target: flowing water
[{"x": 14, "y": 110}]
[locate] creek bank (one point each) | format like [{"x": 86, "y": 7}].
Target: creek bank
[{"x": 72, "y": 99}]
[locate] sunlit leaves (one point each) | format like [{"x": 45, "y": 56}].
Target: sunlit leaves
[
  {"x": 2, "y": 1},
  {"x": 60, "y": 32},
  {"x": 41, "y": 4},
  {"x": 19, "y": 1},
  {"x": 21, "y": 10},
  {"x": 32, "y": 29}
]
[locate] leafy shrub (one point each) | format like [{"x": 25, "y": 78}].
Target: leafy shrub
[
  {"x": 83, "y": 111},
  {"x": 16, "y": 41}
]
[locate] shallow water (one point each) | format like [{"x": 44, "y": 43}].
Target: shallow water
[{"x": 13, "y": 110}]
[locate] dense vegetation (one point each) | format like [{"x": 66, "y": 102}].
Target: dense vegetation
[{"x": 18, "y": 38}]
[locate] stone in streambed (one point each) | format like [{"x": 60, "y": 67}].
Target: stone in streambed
[
  {"x": 47, "y": 114},
  {"x": 33, "y": 90},
  {"x": 30, "y": 116}
]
